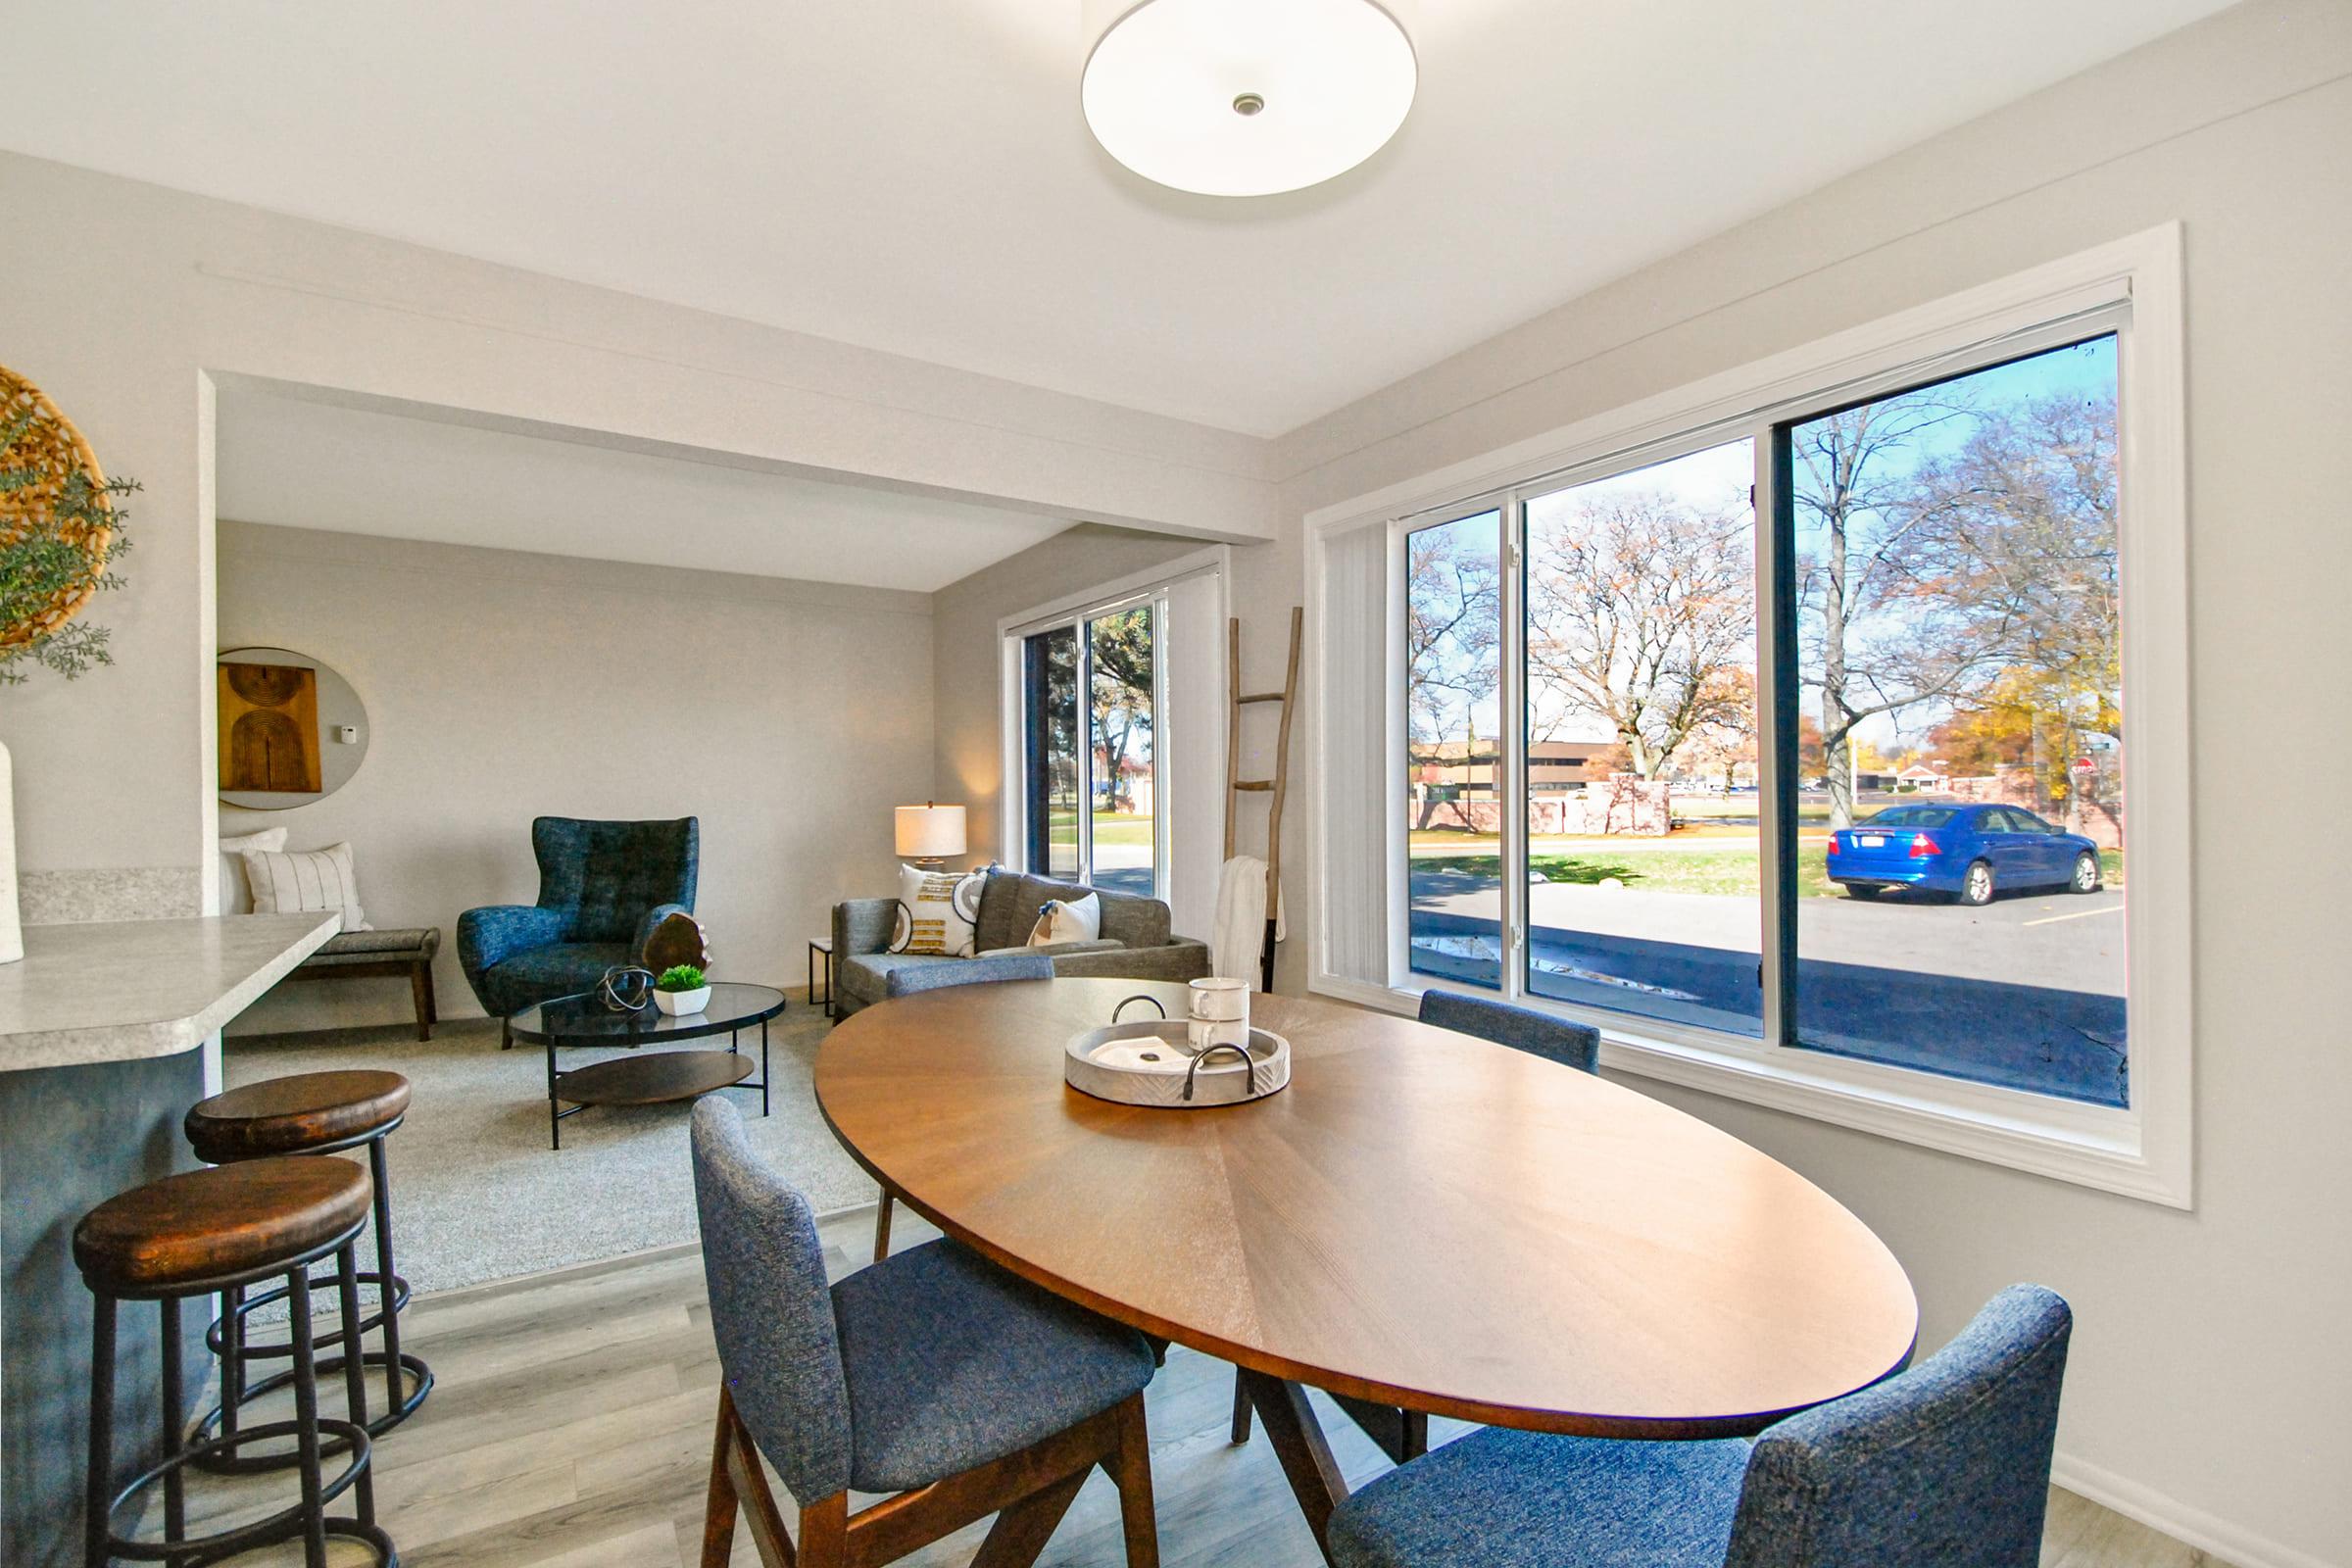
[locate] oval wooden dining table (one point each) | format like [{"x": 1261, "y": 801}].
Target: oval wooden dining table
[{"x": 1422, "y": 1222}]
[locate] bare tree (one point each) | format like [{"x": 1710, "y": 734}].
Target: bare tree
[
  {"x": 1640, "y": 615},
  {"x": 1879, "y": 632}
]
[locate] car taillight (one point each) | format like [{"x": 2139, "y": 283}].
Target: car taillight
[{"x": 1924, "y": 846}]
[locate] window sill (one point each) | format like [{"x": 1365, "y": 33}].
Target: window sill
[{"x": 2088, "y": 1146}]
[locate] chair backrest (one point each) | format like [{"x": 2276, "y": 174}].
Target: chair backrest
[
  {"x": 770, "y": 1308},
  {"x": 1947, "y": 1464},
  {"x": 1571, "y": 1044},
  {"x": 605, "y": 875},
  {"x": 1010, "y": 902},
  {"x": 905, "y": 981}
]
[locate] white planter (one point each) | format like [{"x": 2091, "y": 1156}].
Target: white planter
[
  {"x": 12, "y": 934},
  {"x": 683, "y": 1004}
]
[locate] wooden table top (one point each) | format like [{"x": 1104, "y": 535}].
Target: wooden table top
[{"x": 1421, "y": 1218}]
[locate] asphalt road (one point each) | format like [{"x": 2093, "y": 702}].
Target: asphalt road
[{"x": 2026, "y": 991}]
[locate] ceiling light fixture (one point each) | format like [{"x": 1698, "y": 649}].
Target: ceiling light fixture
[{"x": 1245, "y": 97}]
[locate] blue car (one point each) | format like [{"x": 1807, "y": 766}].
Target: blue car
[{"x": 1969, "y": 852}]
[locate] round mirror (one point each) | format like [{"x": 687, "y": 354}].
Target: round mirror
[{"x": 292, "y": 731}]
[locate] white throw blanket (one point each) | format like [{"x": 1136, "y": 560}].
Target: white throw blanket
[{"x": 1240, "y": 937}]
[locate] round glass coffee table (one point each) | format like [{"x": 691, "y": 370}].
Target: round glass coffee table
[{"x": 657, "y": 1077}]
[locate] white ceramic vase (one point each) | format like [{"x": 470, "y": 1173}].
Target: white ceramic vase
[
  {"x": 12, "y": 932},
  {"x": 683, "y": 1004}
]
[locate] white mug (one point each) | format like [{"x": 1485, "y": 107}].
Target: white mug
[
  {"x": 1202, "y": 1032},
  {"x": 1220, "y": 999}
]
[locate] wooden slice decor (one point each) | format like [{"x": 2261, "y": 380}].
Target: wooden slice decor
[
  {"x": 677, "y": 938},
  {"x": 40, "y": 452}
]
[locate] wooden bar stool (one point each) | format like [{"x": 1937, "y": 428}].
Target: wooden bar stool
[
  {"x": 210, "y": 1231},
  {"x": 308, "y": 1113}
]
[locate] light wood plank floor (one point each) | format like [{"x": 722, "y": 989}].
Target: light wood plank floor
[{"x": 570, "y": 1428}]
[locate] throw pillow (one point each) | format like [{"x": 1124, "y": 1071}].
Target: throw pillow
[
  {"x": 236, "y": 898},
  {"x": 937, "y": 911},
  {"x": 301, "y": 880},
  {"x": 1071, "y": 920}
]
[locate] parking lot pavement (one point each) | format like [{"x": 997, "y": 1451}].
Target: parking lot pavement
[
  {"x": 2071, "y": 941},
  {"x": 2026, "y": 993}
]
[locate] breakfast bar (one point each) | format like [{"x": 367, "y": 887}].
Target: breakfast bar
[{"x": 100, "y": 1030}]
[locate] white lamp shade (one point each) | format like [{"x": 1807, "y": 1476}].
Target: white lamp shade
[
  {"x": 930, "y": 832},
  {"x": 1325, "y": 84}
]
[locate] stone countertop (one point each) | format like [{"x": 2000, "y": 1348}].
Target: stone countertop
[{"x": 127, "y": 990}]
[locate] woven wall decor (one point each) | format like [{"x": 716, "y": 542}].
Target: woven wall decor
[{"x": 43, "y": 451}]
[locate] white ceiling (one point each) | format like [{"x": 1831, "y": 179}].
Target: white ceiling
[
  {"x": 297, "y": 463},
  {"x": 914, "y": 175}
]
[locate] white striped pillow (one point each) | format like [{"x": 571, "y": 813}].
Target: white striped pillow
[{"x": 284, "y": 882}]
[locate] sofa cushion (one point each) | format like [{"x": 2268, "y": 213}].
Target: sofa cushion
[
  {"x": 1009, "y": 911},
  {"x": 865, "y": 976}
]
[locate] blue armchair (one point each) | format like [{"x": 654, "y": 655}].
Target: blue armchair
[{"x": 602, "y": 888}]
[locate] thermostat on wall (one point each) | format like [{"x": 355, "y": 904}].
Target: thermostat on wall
[{"x": 346, "y": 734}]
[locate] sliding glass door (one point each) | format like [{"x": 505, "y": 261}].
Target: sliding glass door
[{"x": 1090, "y": 705}]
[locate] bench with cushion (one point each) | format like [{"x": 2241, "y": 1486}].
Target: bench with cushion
[
  {"x": 374, "y": 955},
  {"x": 1136, "y": 943}
]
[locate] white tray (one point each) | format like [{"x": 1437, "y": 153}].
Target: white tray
[{"x": 1148, "y": 1062}]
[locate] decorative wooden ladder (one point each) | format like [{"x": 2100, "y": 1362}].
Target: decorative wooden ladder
[{"x": 1279, "y": 786}]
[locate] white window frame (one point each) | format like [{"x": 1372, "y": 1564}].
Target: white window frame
[
  {"x": 1150, "y": 587},
  {"x": 2133, "y": 286}
]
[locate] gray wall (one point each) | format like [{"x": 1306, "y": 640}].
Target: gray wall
[
  {"x": 788, "y": 716},
  {"x": 2211, "y": 1361}
]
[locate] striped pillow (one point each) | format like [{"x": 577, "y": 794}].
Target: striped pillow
[{"x": 286, "y": 882}]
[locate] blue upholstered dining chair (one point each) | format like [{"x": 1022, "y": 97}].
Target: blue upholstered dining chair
[
  {"x": 932, "y": 1369},
  {"x": 602, "y": 888},
  {"x": 1944, "y": 1466},
  {"x": 941, "y": 977},
  {"x": 1404, "y": 1434},
  {"x": 1571, "y": 1044}
]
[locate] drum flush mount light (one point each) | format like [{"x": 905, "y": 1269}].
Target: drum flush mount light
[{"x": 1245, "y": 97}]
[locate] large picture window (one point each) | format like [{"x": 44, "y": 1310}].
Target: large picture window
[
  {"x": 1935, "y": 715},
  {"x": 1775, "y": 725}
]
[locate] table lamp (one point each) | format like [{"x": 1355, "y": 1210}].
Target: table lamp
[{"x": 929, "y": 833}]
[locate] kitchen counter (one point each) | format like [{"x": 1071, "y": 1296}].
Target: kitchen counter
[
  {"x": 131, "y": 989},
  {"x": 100, "y": 1030}
]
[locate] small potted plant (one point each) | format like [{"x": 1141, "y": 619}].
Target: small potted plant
[{"x": 682, "y": 990}]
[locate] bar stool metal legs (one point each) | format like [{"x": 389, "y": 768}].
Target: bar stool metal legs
[{"x": 220, "y": 1231}]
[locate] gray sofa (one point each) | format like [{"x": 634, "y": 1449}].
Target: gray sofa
[{"x": 1136, "y": 942}]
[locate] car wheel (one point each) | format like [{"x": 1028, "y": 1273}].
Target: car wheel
[
  {"x": 1976, "y": 889},
  {"x": 2087, "y": 873},
  {"x": 1863, "y": 889}
]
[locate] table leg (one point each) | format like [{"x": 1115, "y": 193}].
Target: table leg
[
  {"x": 1298, "y": 1442},
  {"x": 765, "y": 1076},
  {"x": 555, "y": 1120}
]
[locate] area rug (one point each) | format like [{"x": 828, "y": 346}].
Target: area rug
[{"x": 478, "y": 1196}]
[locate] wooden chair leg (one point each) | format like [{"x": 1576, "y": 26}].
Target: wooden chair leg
[
  {"x": 737, "y": 1482},
  {"x": 825, "y": 1534},
  {"x": 1241, "y": 1409},
  {"x": 506, "y": 1034},
  {"x": 1129, "y": 1469},
  {"x": 720, "y": 1504},
  {"x": 882, "y": 1227},
  {"x": 1021, "y": 1531}
]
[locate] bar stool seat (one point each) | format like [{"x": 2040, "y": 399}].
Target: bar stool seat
[
  {"x": 178, "y": 1234},
  {"x": 223, "y": 1229},
  {"x": 307, "y": 1113},
  {"x": 310, "y": 1113}
]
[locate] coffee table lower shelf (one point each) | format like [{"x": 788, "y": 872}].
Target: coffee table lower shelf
[{"x": 655, "y": 1078}]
